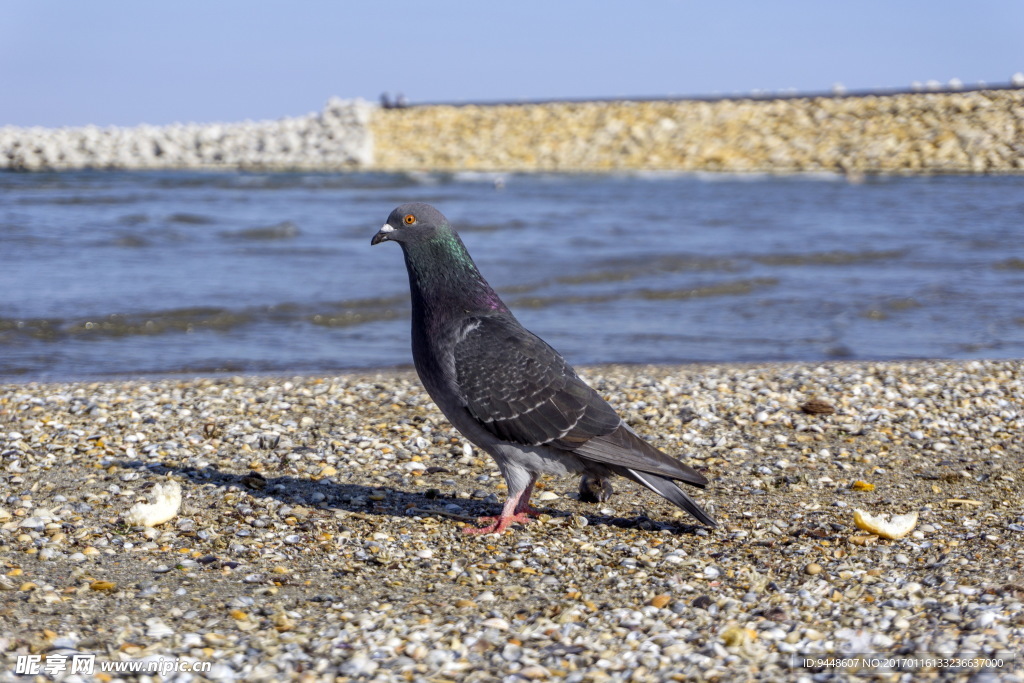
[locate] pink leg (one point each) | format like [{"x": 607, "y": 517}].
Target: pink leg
[{"x": 516, "y": 509}]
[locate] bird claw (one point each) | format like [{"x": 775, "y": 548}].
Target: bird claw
[{"x": 500, "y": 523}]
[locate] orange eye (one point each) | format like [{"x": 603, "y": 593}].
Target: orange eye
[{"x": 409, "y": 219}]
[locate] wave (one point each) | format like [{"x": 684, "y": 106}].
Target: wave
[
  {"x": 191, "y": 319},
  {"x": 284, "y": 230},
  {"x": 829, "y": 258},
  {"x": 728, "y": 288}
]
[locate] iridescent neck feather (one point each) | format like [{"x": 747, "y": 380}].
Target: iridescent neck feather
[{"x": 443, "y": 277}]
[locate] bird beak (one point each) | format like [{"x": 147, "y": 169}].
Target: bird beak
[{"x": 382, "y": 235}]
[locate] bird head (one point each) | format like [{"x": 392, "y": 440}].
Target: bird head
[{"x": 411, "y": 223}]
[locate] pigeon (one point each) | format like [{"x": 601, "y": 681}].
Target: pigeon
[{"x": 506, "y": 390}]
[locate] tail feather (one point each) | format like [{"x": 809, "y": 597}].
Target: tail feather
[
  {"x": 624, "y": 448},
  {"x": 666, "y": 488}
]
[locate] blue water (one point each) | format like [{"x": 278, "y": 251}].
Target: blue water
[{"x": 145, "y": 273}]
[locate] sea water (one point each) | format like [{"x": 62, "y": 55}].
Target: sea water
[{"x": 106, "y": 273}]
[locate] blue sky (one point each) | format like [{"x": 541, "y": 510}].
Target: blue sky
[{"x": 74, "y": 62}]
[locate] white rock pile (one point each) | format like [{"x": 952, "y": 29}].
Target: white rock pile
[{"x": 336, "y": 138}]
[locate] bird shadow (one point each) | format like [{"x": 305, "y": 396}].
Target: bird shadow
[{"x": 381, "y": 501}]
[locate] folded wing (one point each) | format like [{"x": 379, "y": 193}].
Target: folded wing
[{"x": 522, "y": 391}]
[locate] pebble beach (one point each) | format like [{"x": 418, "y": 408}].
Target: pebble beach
[{"x": 320, "y": 532}]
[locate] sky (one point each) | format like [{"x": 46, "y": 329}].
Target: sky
[{"x": 126, "y": 62}]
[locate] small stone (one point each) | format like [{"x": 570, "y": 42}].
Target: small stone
[
  {"x": 512, "y": 653},
  {"x": 214, "y": 639},
  {"x": 983, "y": 621},
  {"x": 155, "y": 628},
  {"x": 703, "y": 602},
  {"x": 812, "y": 568},
  {"x": 817, "y": 406},
  {"x": 737, "y": 636},
  {"x": 254, "y": 480},
  {"x": 534, "y": 672},
  {"x": 495, "y": 623},
  {"x": 34, "y": 523},
  {"x": 660, "y": 601},
  {"x": 358, "y": 665}
]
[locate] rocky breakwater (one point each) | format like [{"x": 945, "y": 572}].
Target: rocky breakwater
[
  {"x": 949, "y": 132},
  {"x": 335, "y": 138},
  {"x": 936, "y": 132}
]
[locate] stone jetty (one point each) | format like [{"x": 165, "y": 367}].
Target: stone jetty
[{"x": 980, "y": 131}]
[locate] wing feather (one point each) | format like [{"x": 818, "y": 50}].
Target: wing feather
[{"x": 522, "y": 390}]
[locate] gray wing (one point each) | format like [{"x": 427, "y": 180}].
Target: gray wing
[{"x": 522, "y": 391}]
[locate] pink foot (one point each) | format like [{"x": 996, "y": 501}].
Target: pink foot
[
  {"x": 516, "y": 509},
  {"x": 500, "y": 523}
]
